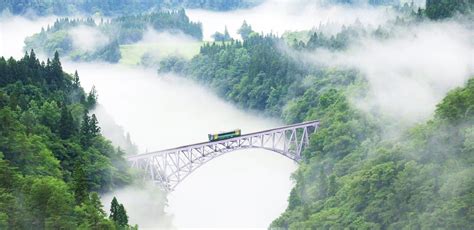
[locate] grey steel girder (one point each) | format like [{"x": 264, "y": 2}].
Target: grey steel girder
[{"x": 168, "y": 168}]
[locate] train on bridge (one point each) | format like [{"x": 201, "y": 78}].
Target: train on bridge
[
  {"x": 224, "y": 135},
  {"x": 171, "y": 166}
]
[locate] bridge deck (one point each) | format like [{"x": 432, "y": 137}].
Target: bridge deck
[{"x": 197, "y": 145}]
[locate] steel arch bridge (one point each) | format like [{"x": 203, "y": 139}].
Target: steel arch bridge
[{"x": 168, "y": 168}]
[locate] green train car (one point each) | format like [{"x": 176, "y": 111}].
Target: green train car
[{"x": 225, "y": 135}]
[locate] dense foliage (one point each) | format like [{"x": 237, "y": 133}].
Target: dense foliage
[
  {"x": 53, "y": 158},
  {"x": 129, "y": 29},
  {"x": 351, "y": 177},
  {"x": 420, "y": 181},
  {"x": 235, "y": 68},
  {"x": 114, "y": 7},
  {"x": 62, "y": 36},
  {"x": 439, "y": 9},
  {"x": 118, "y": 214},
  {"x": 256, "y": 74}
]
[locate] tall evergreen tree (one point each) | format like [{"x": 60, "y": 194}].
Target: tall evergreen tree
[
  {"x": 114, "y": 207},
  {"x": 118, "y": 214},
  {"x": 76, "y": 82},
  {"x": 32, "y": 61},
  {"x": 123, "y": 218},
  {"x": 245, "y": 30},
  {"x": 85, "y": 136},
  {"x": 92, "y": 98},
  {"x": 66, "y": 123},
  {"x": 56, "y": 73},
  {"x": 89, "y": 129},
  {"x": 81, "y": 190},
  {"x": 93, "y": 214},
  {"x": 94, "y": 128}
]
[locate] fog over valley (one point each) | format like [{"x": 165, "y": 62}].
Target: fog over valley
[
  {"x": 154, "y": 115},
  {"x": 279, "y": 16},
  {"x": 367, "y": 108},
  {"x": 415, "y": 64},
  {"x": 12, "y": 37}
]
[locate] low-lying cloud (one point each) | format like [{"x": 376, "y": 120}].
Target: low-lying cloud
[
  {"x": 278, "y": 16},
  {"x": 87, "y": 38},
  {"x": 411, "y": 72},
  {"x": 164, "y": 111},
  {"x": 153, "y": 36},
  {"x": 113, "y": 132},
  {"x": 158, "y": 45},
  {"x": 144, "y": 205},
  {"x": 14, "y": 29}
]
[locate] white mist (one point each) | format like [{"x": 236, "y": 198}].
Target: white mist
[{"x": 242, "y": 189}]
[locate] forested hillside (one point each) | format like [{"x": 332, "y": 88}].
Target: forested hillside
[
  {"x": 352, "y": 176},
  {"x": 53, "y": 159},
  {"x": 257, "y": 74},
  {"x": 115, "y": 7},
  {"x": 65, "y": 35}
]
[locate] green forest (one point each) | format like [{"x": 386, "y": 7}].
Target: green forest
[
  {"x": 53, "y": 160},
  {"x": 352, "y": 177},
  {"x": 118, "y": 31}
]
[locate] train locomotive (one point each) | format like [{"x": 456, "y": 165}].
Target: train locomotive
[{"x": 224, "y": 135}]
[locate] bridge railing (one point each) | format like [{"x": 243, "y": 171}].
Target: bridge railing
[
  {"x": 169, "y": 167},
  {"x": 314, "y": 124}
]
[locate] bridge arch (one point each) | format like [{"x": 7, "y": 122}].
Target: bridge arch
[
  {"x": 186, "y": 174},
  {"x": 168, "y": 168}
]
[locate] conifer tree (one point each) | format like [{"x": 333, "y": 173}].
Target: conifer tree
[
  {"x": 89, "y": 130},
  {"x": 118, "y": 214},
  {"x": 75, "y": 79},
  {"x": 94, "y": 128},
  {"x": 226, "y": 34},
  {"x": 114, "y": 206},
  {"x": 32, "y": 61},
  {"x": 123, "y": 218},
  {"x": 81, "y": 190},
  {"x": 85, "y": 133},
  {"x": 92, "y": 98},
  {"x": 66, "y": 123},
  {"x": 56, "y": 71},
  {"x": 245, "y": 30}
]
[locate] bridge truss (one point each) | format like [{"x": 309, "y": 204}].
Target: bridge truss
[{"x": 168, "y": 168}]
